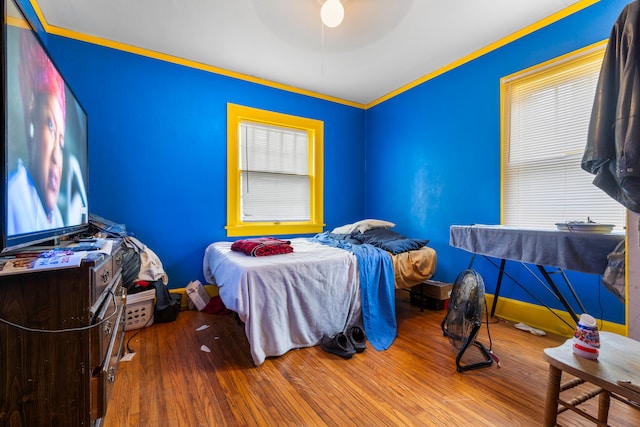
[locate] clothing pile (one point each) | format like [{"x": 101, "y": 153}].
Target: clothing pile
[
  {"x": 262, "y": 246},
  {"x": 142, "y": 269}
]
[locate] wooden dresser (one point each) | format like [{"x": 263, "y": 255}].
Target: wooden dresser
[{"x": 61, "y": 335}]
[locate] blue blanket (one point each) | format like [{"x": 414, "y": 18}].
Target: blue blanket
[{"x": 377, "y": 289}]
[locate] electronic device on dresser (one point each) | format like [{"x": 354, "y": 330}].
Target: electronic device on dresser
[{"x": 45, "y": 145}]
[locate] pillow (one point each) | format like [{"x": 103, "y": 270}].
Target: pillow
[
  {"x": 390, "y": 241},
  {"x": 363, "y": 226},
  {"x": 345, "y": 229},
  {"x": 370, "y": 224},
  {"x": 346, "y": 237}
]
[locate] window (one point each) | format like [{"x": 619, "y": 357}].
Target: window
[
  {"x": 545, "y": 120},
  {"x": 274, "y": 173}
]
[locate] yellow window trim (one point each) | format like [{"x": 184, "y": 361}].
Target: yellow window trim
[
  {"x": 568, "y": 60},
  {"x": 237, "y": 114}
]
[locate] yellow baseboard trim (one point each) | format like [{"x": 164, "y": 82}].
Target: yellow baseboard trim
[
  {"x": 512, "y": 310},
  {"x": 540, "y": 317},
  {"x": 212, "y": 291}
]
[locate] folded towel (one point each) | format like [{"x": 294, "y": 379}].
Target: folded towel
[{"x": 262, "y": 246}]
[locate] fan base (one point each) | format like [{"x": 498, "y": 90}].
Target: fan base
[
  {"x": 468, "y": 367},
  {"x": 471, "y": 339}
]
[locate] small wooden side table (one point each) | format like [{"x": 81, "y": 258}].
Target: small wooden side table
[{"x": 616, "y": 373}]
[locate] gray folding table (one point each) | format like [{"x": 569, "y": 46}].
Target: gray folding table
[{"x": 546, "y": 249}]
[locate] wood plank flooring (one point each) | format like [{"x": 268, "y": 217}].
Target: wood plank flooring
[{"x": 172, "y": 382}]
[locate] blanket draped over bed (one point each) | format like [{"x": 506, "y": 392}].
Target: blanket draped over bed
[
  {"x": 287, "y": 301},
  {"x": 377, "y": 289},
  {"x": 327, "y": 284}
]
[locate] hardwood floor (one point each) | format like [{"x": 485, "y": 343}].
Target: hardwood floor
[{"x": 171, "y": 382}]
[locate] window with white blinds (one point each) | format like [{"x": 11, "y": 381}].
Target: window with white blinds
[
  {"x": 274, "y": 164},
  {"x": 546, "y": 113},
  {"x": 274, "y": 173}
]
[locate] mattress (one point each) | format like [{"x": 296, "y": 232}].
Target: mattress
[{"x": 287, "y": 301}]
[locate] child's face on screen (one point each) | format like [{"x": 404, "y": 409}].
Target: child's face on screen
[{"x": 47, "y": 148}]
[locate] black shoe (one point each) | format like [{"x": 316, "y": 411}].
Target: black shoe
[
  {"x": 338, "y": 345},
  {"x": 358, "y": 338}
]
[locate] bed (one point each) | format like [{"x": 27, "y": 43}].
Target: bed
[{"x": 327, "y": 284}]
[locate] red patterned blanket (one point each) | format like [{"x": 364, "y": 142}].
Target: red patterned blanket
[{"x": 262, "y": 246}]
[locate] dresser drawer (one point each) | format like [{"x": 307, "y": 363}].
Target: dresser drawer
[
  {"x": 116, "y": 259},
  {"x": 101, "y": 276},
  {"x": 102, "y": 382},
  {"x": 106, "y": 319}
]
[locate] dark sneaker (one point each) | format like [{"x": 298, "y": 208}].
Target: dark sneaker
[
  {"x": 338, "y": 345},
  {"x": 358, "y": 338}
]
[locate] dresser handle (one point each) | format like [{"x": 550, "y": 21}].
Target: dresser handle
[
  {"x": 107, "y": 327},
  {"x": 105, "y": 276},
  {"x": 111, "y": 377}
]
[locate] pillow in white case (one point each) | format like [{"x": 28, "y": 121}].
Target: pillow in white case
[
  {"x": 369, "y": 224},
  {"x": 363, "y": 226},
  {"x": 344, "y": 229}
]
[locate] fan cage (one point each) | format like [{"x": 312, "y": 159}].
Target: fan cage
[
  {"x": 464, "y": 318},
  {"x": 466, "y": 306},
  {"x": 459, "y": 332}
]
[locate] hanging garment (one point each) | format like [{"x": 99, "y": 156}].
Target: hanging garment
[
  {"x": 612, "y": 152},
  {"x": 614, "y": 275}
]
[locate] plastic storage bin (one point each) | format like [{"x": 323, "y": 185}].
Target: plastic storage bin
[{"x": 140, "y": 307}]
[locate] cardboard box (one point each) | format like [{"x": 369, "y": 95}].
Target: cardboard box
[
  {"x": 197, "y": 295},
  {"x": 436, "y": 289}
]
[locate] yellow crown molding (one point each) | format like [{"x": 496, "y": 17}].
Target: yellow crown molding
[
  {"x": 493, "y": 46},
  {"x": 50, "y": 29},
  {"x": 63, "y": 32}
]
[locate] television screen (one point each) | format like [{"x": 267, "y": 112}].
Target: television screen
[{"x": 45, "y": 142}]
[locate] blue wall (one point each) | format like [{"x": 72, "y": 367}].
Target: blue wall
[
  {"x": 158, "y": 148},
  {"x": 433, "y": 153}
]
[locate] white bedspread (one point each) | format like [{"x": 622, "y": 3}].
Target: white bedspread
[{"x": 287, "y": 301}]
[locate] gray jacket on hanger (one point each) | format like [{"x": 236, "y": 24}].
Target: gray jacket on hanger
[{"x": 612, "y": 153}]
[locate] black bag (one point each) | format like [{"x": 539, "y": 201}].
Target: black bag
[
  {"x": 167, "y": 304},
  {"x": 130, "y": 266}
]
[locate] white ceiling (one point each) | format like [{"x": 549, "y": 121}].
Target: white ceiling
[{"x": 381, "y": 46}]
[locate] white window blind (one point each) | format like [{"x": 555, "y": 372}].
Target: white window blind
[
  {"x": 545, "y": 125},
  {"x": 274, "y": 178}
]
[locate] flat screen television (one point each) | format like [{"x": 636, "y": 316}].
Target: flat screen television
[{"x": 45, "y": 147}]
